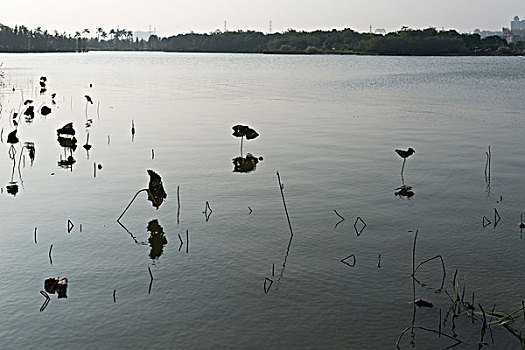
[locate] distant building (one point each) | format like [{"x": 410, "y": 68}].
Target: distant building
[
  {"x": 516, "y": 32},
  {"x": 486, "y": 33},
  {"x": 380, "y": 31},
  {"x": 144, "y": 35}
]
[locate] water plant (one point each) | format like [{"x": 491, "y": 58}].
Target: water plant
[
  {"x": 243, "y": 131},
  {"x": 405, "y": 154},
  {"x": 155, "y": 190}
]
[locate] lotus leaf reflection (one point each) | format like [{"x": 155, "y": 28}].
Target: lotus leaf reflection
[{"x": 245, "y": 164}]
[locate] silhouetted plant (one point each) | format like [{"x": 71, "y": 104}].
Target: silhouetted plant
[
  {"x": 155, "y": 190},
  {"x": 244, "y": 131}
]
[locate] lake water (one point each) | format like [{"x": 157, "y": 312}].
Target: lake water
[{"x": 329, "y": 125}]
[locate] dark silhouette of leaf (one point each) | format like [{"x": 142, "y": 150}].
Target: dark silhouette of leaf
[
  {"x": 156, "y": 193},
  {"x": 45, "y": 110},
  {"x": 52, "y": 285},
  {"x": 30, "y": 111},
  {"x": 12, "y": 138},
  {"x": 243, "y": 130},
  {"x": 66, "y": 130}
]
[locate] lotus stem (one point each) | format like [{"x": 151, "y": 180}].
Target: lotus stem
[
  {"x": 178, "y": 204},
  {"x": 242, "y": 138},
  {"x": 284, "y": 203},
  {"x": 135, "y": 196}
]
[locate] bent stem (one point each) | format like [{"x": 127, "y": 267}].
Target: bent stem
[{"x": 136, "y": 194}]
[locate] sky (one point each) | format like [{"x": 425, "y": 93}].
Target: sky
[{"x": 204, "y": 16}]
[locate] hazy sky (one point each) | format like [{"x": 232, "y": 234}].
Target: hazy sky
[{"x": 176, "y": 16}]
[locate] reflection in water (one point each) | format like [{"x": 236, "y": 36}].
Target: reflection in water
[
  {"x": 156, "y": 195},
  {"x": 12, "y": 188},
  {"x": 30, "y": 114},
  {"x": 404, "y": 191},
  {"x": 245, "y": 164},
  {"x": 157, "y": 239},
  {"x": 67, "y": 140},
  {"x": 30, "y": 146},
  {"x": 87, "y": 146}
]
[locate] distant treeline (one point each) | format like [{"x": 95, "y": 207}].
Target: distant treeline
[{"x": 404, "y": 42}]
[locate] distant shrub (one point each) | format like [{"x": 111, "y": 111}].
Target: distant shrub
[{"x": 312, "y": 50}]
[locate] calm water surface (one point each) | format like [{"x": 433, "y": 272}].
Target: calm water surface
[{"x": 329, "y": 125}]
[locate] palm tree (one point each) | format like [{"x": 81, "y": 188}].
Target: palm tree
[{"x": 99, "y": 32}]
